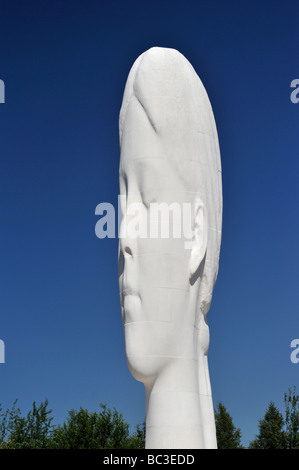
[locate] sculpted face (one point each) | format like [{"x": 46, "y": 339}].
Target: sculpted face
[
  {"x": 164, "y": 138},
  {"x": 154, "y": 285}
]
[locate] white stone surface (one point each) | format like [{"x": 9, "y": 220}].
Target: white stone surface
[{"x": 170, "y": 153}]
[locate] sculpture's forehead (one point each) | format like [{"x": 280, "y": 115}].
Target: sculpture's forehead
[
  {"x": 174, "y": 161},
  {"x": 158, "y": 177}
]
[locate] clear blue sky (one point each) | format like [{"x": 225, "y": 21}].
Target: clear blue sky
[{"x": 64, "y": 64}]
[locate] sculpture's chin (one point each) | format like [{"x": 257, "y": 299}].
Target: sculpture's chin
[
  {"x": 146, "y": 352},
  {"x": 144, "y": 368},
  {"x": 152, "y": 345}
]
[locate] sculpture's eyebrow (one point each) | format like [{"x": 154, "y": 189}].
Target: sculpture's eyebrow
[{"x": 150, "y": 120}]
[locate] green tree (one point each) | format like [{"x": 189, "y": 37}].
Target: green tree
[
  {"x": 8, "y": 420},
  {"x": 291, "y": 433},
  {"x": 137, "y": 440},
  {"x": 91, "y": 430},
  {"x": 106, "y": 429},
  {"x": 31, "y": 431},
  {"x": 271, "y": 430},
  {"x": 228, "y": 436},
  {"x": 277, "y": 431}
]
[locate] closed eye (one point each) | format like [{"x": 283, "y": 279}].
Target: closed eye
[{"x": 121, "y": 263}]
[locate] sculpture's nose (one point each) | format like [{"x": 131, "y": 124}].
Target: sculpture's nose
[
  {"x": 126, "y": 243},
  {"x": 127, "y": 250}
]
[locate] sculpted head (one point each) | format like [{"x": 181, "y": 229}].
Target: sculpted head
[{"x": 169, "y": 155}]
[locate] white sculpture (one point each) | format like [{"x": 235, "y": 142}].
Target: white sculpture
[{"x": 169, "y": 155}]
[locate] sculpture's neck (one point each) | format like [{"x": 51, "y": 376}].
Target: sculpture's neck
[{"x": 173, "y": 411}]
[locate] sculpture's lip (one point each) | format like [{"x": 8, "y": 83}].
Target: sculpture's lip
[
  {"x": 131, "y": 306},
  {"x": 128, "y": 291}
]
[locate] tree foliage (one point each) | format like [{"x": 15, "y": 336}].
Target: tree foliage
[
  {"x": 270, "y": 434},
  {"x": 106, "y": 429},
  {"x": 30, "y": 432},
  {"x": 92, "y": 430},
  {"x": 277, "y": 431},
  {"x": 228, "y": 436},
  {"x": 291, "y": 421}
]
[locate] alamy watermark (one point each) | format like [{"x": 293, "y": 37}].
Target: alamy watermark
[
  {"x": 295, "y": 353},
  {"x": 2, "y": 91},
  {"x": 2, "y": 352},
  {"x": 295, "y": 93},
  {"x": 157, "y": 220}
]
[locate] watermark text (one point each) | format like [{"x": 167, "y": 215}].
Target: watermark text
[
  {"x": 295, "y": 93},
  {"x": 2, "y": 91},
  {"x": 157, "y": 220},
  {"x": 295, "y": 353},
  {"x": 2, "y": 352}
]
